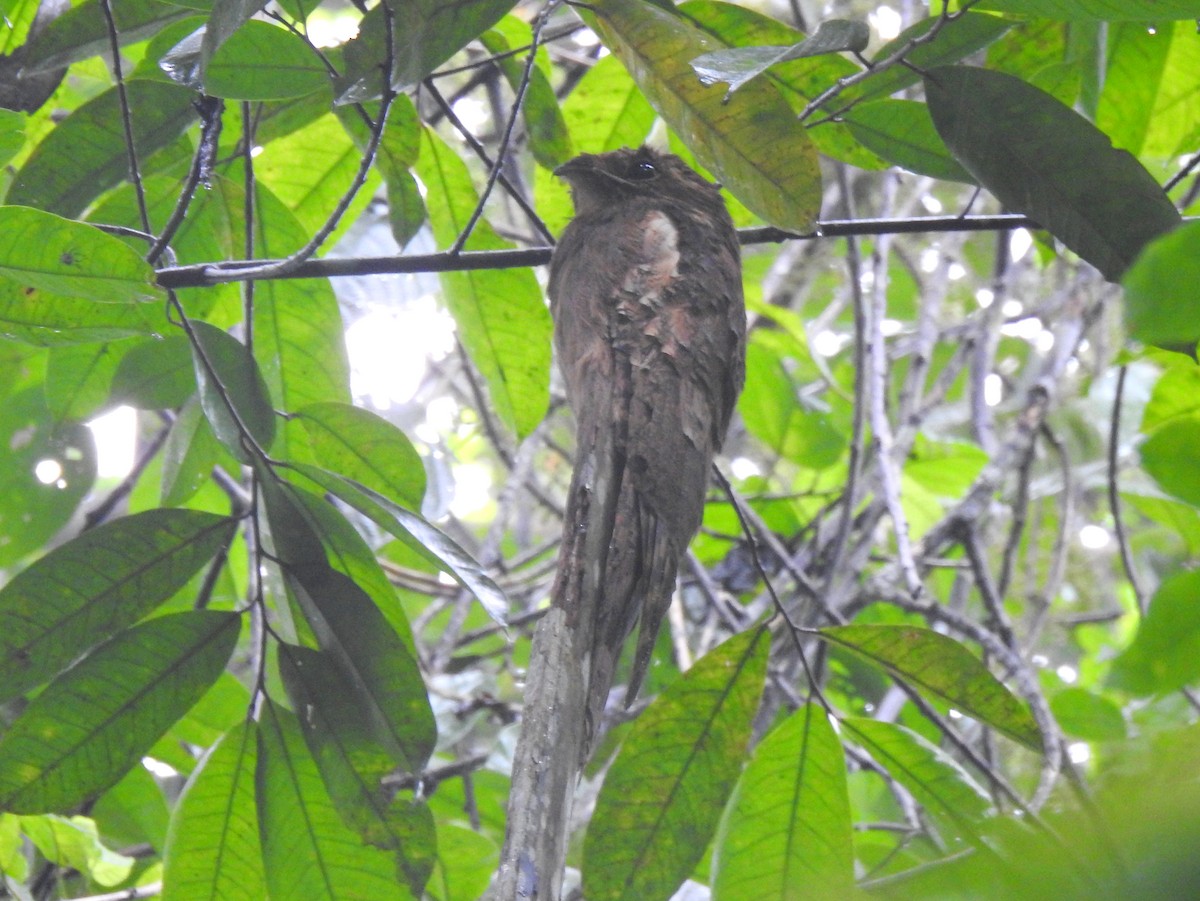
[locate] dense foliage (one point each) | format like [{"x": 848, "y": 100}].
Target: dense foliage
[{"x": 937, "y": 639}]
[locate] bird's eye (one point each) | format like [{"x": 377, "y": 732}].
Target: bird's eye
[{"x": 642, "y": 170}]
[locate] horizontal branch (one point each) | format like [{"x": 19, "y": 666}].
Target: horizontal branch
[{"x": 207, "y": 274}]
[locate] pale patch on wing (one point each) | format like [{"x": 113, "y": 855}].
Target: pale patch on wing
[{"x": 659, "y": 258}]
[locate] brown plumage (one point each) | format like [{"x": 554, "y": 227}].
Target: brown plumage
[{"x": 650, "y": 331}]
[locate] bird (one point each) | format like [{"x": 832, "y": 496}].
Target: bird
[{"x": 649, "y": 318}]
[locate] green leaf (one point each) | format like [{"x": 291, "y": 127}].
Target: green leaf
[
  {"x": 1086, "y": 715},
  {"x": 775, "y": 415},
  {"x": 786, "y": 832},
  {"x": 502, "y": 320},
  {"x": 308, "y": 171},
  {"x": 232, "y": 390},
  {"x": 70, "y": 258},
  {"x": 74, "y": 842},
  {"x": 85, "y": 155},
  {"x": 299, "y": 342},
  {"x": 1161, "y": 306},
  {"x": 426, "y": 34},
  {"x": 800, "y": 81},
  {"x": 1169, "y": 456},
  {"x": 1111, "y": 10},
  {"x": 99, "y": 718},
  {"x": 1165, "y": 653},
  {"x": 663, "y": 795},
  {"x": 261, "y": 61},
  {"x": 308, "y": 852},
  {"x": 189, "y": 456},
  {"x": 12, "y": 133},
  {"x": 419, "y": 534},
  {"x": 49, "y": 320},
  {"x": 1176, "y": 394},
  {"x": 940, "y": 666},
  {"x": 902, "y": 132},
  {"x": 365, "y": 447},
  {"x": 212, "y": 846},
  {"x": 936, "y": 780},
  {"x": 398, "y": 150},
  {"x": 353, "y": 765},
  {"x": 740, "y": 64},
  {"x": 956, "y": 39},
  {"x": 82, "y": 31},
  {"x": 155, "y": 375},
  {"x": 1043, "y": 159},
  {"x": 753, "y": 143},
  {"x": 1151, "y": 100},
  {"x": 46, "y": 469},
  {"x": 385, "y": 679},
  {"x": 349, "y": 554},
  {"x": 79, "y": 378},
  {"x": 36, "y": 317},
  {"x": 466, "y": 863},
  {"x": 97, "y": 584},
  {"x": 549, "y": 139}
]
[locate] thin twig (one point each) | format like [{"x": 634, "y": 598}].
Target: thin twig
[
  {"x": 135, "y": 174},
  {"x": 1114, "y": 493},
  {"x": 506, "y": 136}
]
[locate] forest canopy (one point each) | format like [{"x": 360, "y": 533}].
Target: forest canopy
[{"x": 284, "y": 454}]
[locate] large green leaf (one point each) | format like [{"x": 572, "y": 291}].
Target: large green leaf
[
  {"x": 309, "y": 170},
  {"x": 261, "y": 61},
  {"x": 549, "y": 139},
  {"x": 1169, "y": 456},
  {"x": 947, "y": 792},
  {"x": 398, "y": 150},
  {"x": 365, "y": 447},
  {"x": 212, "y": 846},
  {"x": 299, "y": 343},
  {"x": 71, "y": 259},
  {"x": 1151, "y": 100},
  {"x": 39, "y": 318},
  {"x": 1043, "y": 159},
  {"x": 786, "y": 832},
  {"x": 1161, "y": 304},
  {"x": 753, "y": 143},
  {"x": 100, "y": 717},
  {"x": 349, "y": 553},
  {"x": 232, "y": 390},
  {"x": 1165, "y": 653},
  {"x": 663, "y": 795},
  {"x": 800, "y": 80},
  {"x": 939, "y": 665},
  {"x": 155, "y": 375},
  {"x": 353, "y": 764},
  {"x": 309, "y": 854},
  {"x": 82, "y": 31},
  {"x": 384, "y": 677},
  {"x": 902, "y": 132},
  {"x": 85, "y": 154},
  {"x": 79, "y": 378},
  {"x": 426, "y": 33},
  {"x": 502, "y": 320},
  {"x": 75, "y": 842},
  {"x": 775, "y": 415},
  {"x": 416, "y": 532},
  {"x": 46, "y": 469},
  {"x": 88, "y": 589},
  {"x": 1111, "y": 10}
]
